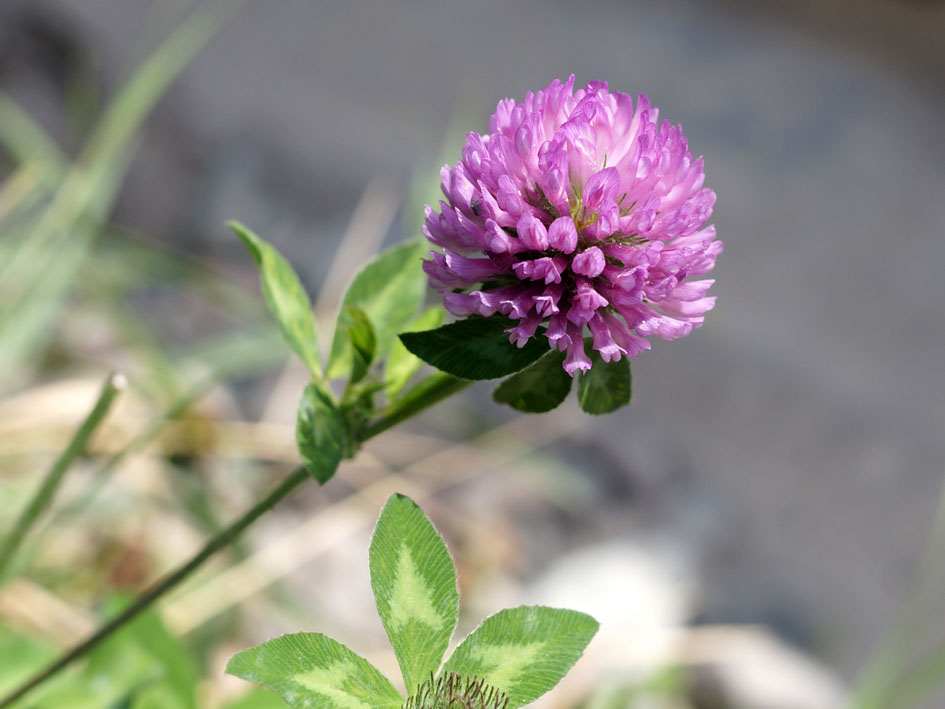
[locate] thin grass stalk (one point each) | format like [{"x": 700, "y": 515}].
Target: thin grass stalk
[{"x": 46, "y": 492}]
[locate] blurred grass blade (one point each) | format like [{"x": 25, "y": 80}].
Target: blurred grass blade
[
  {"x": 21, "y": 189},
  {"x": 23, "y": 137},
  {"x": 88, "y": 192},
  {"x": 919, "y": 686},
  {"x": 47, "y": 490},
  {"x": 879, "y": 681}
]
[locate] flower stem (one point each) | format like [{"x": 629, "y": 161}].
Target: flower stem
[
  {"x": 428, "y": 392},
  {"x": 433, "y": 389},
  {"x": 47, "y": 489}
]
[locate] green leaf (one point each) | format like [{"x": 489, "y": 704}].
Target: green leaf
[
  {"x": 21, "y": 658},
  {"x": 402, "y": 365},
  {"x": 117, "y": 670},
  {"x": 474, "y": 348},
  {"x": 606, "y": 386},
  {"x": 389, "y": 289},
  {"x": 179, "y": 668},
  {"x": 538, "y": 388},
  {"x": 414, "y": 584},
  {"x": 320, "y": 433},
  {"x": 312, "y": 671},
  {"x": 55, "y": 245},
  {"x": 285, "y": 297},
  {"x": 524, "y": 651},
  {"x": 157, "y": 696},
  {"x": 257, "y": 699},
  {"x": 363, "y": 342}
]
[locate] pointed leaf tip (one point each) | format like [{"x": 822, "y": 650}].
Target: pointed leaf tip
[
  {"x": 414, "y": 583},
  {"x": 285, "y": 297}
]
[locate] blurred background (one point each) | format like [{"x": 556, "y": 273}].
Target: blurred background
[{"x": 755, "y": 530}]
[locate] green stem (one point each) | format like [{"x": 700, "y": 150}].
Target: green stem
[
  {"x": 147, "y": 599},
  {"x": 47, "y": 490},
  {"x": 428, "y": 392},
  {"x": 433, "y": 389}
]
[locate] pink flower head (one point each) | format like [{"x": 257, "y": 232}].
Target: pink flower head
[{"x": 577, "y": 211}]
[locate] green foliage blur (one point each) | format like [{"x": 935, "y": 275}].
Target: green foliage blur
[{"x": 62, "y": 262}]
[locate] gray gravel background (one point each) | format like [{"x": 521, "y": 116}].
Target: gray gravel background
[{"x": 796, "y": 440}]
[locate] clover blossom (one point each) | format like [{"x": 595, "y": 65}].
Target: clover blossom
[{"x": 576, "y": 210}]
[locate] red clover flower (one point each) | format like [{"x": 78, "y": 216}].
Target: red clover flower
[{"x": 577, "y": 210}]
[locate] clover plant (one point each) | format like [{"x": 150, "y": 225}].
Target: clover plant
[{"x": 510, "y": 660}]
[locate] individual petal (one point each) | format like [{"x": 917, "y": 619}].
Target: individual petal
[
  {"x": 547, "y": 302},
  {"x": 557, "y": 332},
  {"x": 601, "y": 189},
  {"x": 441, "y": 277},
  {"x": 584, "y": 302},
  {"x": 604, "y": 343},
  {"x": 577, "y": 359},
  {"x": 464, "y": 304},
  {"x": 532, "y": 232},
  {"x": 562, "y": 235},
  {"x": 547, "y": 269},
  {"x": 486, "y": 207},
  {"x": 589, "y": 262},
  {"x": 508, "y": 197},
  {"x": 628, "y": 342},
  {"x": 692, "y": 290},
  {"x": 687, "y": 308},
  {"x": 499, "y": 241},
  {"x": 649, "y": 322},
  {"x": 457, "y": 187},
  {"x": 516, "y": 301},
  {"x": 451, "y": 229},
  {"x": 523, "y": 332},
  {"x": 472, "y": 270}
]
